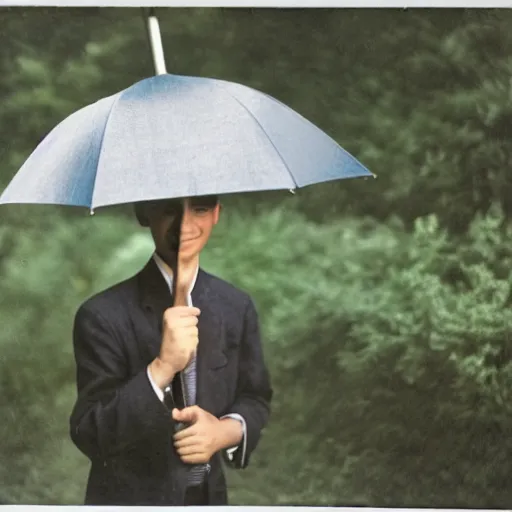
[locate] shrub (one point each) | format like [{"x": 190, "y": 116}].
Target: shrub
[{"x": 389, "y": 353}]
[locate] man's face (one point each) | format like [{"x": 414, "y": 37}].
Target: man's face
[{"x": 199, "y": 216}]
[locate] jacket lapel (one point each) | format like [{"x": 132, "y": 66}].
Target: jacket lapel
[
  {"x": 209, "y": 353},
  {"x": 155, "y": 298}
]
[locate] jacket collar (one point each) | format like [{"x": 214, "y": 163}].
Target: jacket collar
[{"x": 155, "y": 292}]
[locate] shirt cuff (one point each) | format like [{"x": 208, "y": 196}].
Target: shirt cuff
[
  {"x": 230, "y": 452},
  {"x": 158, "y": 391}
]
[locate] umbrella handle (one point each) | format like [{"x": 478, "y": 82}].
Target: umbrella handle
[
  {"x": 155, "y": 41},
  {"x": 173, "y": 241}
]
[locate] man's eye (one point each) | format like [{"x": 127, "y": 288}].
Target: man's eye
[{"x": 200, "y": 209}]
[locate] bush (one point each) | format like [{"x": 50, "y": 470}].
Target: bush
[
  {"x": 46, "y": 274},
  {"x": 389, "y": 353}
]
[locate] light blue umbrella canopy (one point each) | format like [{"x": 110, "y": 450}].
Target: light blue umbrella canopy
[{"x": 173, "y": 136}]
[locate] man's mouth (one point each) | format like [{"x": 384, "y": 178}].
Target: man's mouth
[{"x": 173, "y": 242}]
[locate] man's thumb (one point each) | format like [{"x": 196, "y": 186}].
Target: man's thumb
[{"x": 187, "y": 415}]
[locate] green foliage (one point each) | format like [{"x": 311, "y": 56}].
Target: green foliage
[
  {"x": 43, "y": 281},
  {"x": 385, "y": 303},
  {"x": 434, "y": 126},
  {"x": 390, "y": 353}
]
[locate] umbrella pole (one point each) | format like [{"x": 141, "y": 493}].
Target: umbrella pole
[
  {"x": 174, "y": 236},
  {"x": 157, "y": 52},
  {"x": 155, "y": 41}
]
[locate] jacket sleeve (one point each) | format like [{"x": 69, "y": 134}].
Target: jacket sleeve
[
  {"x": 113, "y": 412},
  {"x": 254, "y": 392}
]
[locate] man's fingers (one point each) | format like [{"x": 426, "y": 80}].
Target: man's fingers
[
  {"x": 196, "y": 458},
  {"x": 185, "y": 311},
  {"x": 187, "y": 442},
  {"x": 189, "y": 321},
  {"x": 189, "y": 450},
  {"x": 186, "y": 432}
]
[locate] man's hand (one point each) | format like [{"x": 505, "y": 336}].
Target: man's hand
[
  {"x": 205, "y": 436},
  {"x": 179, "y": 341},
  {"x": 179, "y": 332}
]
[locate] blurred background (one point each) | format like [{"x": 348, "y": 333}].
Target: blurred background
[{"x": 385, "y": 303}]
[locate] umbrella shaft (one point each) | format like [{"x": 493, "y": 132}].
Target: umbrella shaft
[
  {"x": 173, "y": 241},
  {"x": 155, "y": 40}
]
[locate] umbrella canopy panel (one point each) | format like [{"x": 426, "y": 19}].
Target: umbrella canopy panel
[{"x": 178, "y": 136}]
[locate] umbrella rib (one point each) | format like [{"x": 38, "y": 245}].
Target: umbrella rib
[
  {"x": 266, "y": 134},
  {"x": 309, "y": 123},
  {"x": 114, "y": 103}
]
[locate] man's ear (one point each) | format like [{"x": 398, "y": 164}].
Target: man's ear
[{"x": 140, "y": 213}]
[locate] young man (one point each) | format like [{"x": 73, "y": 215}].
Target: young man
[{"x": 132, "y": 347}]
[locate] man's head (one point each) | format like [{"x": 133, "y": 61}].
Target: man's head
[{"x": 200, "y": 214}]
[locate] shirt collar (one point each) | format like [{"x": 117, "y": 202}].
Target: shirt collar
[{"x": 168, "y": 278}]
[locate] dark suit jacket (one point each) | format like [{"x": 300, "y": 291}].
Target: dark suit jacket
[{"x": 119, "y": 422}]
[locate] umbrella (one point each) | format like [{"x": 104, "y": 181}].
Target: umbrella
[
  {"x": 175, "y": 136},
  {"x": 171, "y": 136}
]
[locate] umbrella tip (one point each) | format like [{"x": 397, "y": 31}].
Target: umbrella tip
[
  {"x": 292, "y": 190},
  {"x": 91, "y": 212}
]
